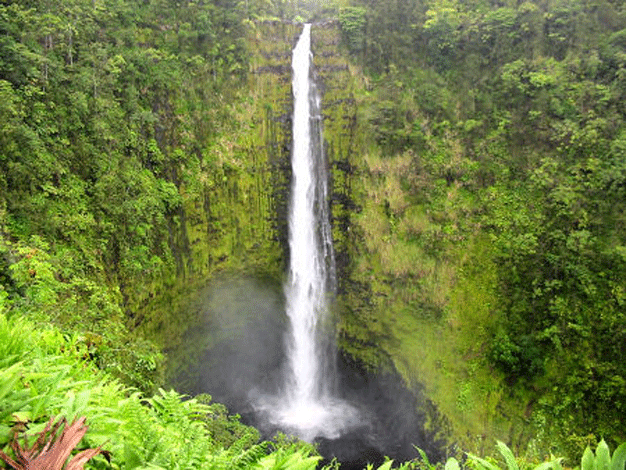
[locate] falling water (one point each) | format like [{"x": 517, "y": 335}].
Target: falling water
[
  {"x": 307, "y": 407},
  {"x": 292, "y": 389},
  {"x": 306, "y": 289}
]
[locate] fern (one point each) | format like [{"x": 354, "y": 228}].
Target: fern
[
  {"x": 13, "y": 337},
  {"x": 168, "y": 406},
  {"x": 249, "y": 457},
  {"x": 288, "y": 459},
  {"x": 166, "y": 430}
]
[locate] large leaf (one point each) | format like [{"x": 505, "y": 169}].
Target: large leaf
[
  {"x": 603, "y": 456},
  {"x": 588, "y": 461},
  {"x": 619, "y": 458},
  {"x": 508, "y": 456}
]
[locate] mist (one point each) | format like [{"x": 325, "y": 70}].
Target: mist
[
  {"x": 236, "y": 343},
  {"x": 235, "y": 351}
]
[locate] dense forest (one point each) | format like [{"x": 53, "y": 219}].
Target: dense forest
[
  {"x": 478, "y": 213},
  {"x": 498, "y": 163}
]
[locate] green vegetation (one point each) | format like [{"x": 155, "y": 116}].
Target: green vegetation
[
  {"x": 487, "y": 253},
  {"x": 601, "y": 459},
  {"x": 477, "y": 155},
  {"x": 105, "y": 141},
  {"x": 45, "y": 374}
]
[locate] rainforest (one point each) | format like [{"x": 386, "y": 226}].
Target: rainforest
[{"x": 474, "y": 155}]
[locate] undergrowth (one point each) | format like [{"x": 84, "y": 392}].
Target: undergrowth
[{"x": 47, "y": 376}]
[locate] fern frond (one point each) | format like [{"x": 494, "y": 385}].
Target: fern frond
[
  {"x": 249, "y": 457},
  {"x": 288, "y": 459}
]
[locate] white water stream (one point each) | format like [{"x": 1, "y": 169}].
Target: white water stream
[
  {"x": 307, "y": 407},
  {"x": 306, "y": 289}
]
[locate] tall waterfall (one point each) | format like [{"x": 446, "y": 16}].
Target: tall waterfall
[
  {"x": 311, "y": 256},
  {"x": 307, "y": 407}
]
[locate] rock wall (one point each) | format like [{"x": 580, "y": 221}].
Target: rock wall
[{"x": 234, "y": 213}]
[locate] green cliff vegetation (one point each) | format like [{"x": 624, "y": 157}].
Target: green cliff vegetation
[
  {"x": 141, "y": 154},
  {"x": 487, "y": 259},
  {"x": 113, "y": 144},
  {"x": 477, "y": 157}
]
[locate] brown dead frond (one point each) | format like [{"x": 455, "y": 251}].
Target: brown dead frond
[{"x": 50, "y": 452}]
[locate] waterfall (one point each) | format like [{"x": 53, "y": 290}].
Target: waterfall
[
  {"x": 308, "y": 407},
  {"x": 309, "y": 234}
]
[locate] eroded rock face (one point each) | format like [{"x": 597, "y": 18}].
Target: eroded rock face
[{"x": 238, "y": 335}]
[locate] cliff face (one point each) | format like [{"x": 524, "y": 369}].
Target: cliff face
[
  {"x": 237, "y": 220},
  {"x": 237, "y": 320},
  {"x": 171, "y": 171},
  {"x": 231, "y": 241},
  {"x": 241, "y": 222},
  {"x": 232, "y": 247},
  {"x": 233, "y": 218}
]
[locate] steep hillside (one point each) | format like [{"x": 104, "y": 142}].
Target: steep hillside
[{"x": 487, "y": 255}]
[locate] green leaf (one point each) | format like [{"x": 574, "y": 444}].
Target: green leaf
[
  {"x": 618, "y": 462},
  {"x": 554, "y": 464},
  {"x": 508, "y": 456},
  {"x": 11, "y": 377},
  {"x": 5, "y": 434},
  {"x": 132, "y": 459},
  {"x": 424, "y": 456},
  {"x": 386, "y": 465},
  {"x": 22, "y": 416},
  {"x": 482, "y": 463},
  {"x": 588, "y": 460},
  {"x": 603, "y": 456},
  {"x": 452, "y": 464}
]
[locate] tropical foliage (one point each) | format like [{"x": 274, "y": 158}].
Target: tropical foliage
[
  {"x": 48, "y": 374},
  {"x": 480, "y": 213},
  {"x": 488, "y": 259}
]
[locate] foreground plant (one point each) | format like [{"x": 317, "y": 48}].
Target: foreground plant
[
  {"x": 602, "y": 459},
  {"x": 511, "y": 462},
  {"x": 477, "y": 463},
  {"x": 50, "y": 452}
]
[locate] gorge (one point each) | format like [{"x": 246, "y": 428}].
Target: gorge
[
  {"x": 347, "y": 415},
  {"x": 475, "y": 195}
]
